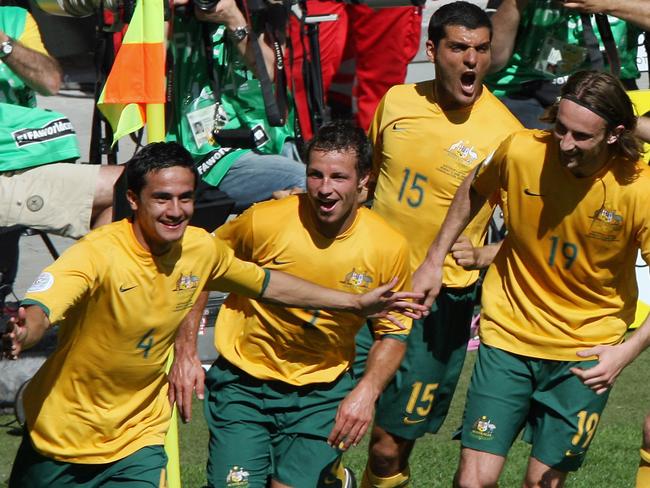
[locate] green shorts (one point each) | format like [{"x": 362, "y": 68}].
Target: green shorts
[
  {"x": 145, "y": 468},
  {"x": 509, "y": 392},
  {"x": 269, "y": 429},
  {"x": 417, "y": 400}
]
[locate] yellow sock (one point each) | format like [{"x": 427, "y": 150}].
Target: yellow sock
[
  {"x": 643, "y": 474},
  {"x": 399, "y": 480}
]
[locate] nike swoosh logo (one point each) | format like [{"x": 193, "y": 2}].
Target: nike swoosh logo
[
  {"x": 532, "y": 194},
  {"x": 280, "y": 263},
  {"x": 409, "y": 421},
  {"x": 330, "y": 479},
  {"x": 398, "y": 129},
  {"x": 570, "y": 453},
  {"x": 126, "y": 288}
]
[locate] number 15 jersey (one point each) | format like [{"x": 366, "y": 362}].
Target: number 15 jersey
[{"x": 421, "y": 156}]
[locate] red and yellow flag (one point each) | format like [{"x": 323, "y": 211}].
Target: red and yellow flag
[{"x": 138, "y": 74}]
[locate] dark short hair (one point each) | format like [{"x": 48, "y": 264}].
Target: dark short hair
[
  {"x": 604, "y": 94},
  {"x": 154, "y": 157},
  {"x": 464, "y": 14},
  {"x": 341, "y": 136}
]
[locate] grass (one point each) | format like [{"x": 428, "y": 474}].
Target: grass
[{"x": 611, "y": 462}]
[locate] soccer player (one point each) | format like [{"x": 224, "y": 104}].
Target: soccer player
[
  {"x": 427, "y": 137},
  {"x": 97, "y": 410},
  {"x": 562, "y": 290},
  {"x": 282, "y": 401}
]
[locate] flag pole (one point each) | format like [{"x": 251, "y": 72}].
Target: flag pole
[{"x": 155, "y": 113}]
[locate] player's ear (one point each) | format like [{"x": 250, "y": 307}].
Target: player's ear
[
  {"x": 614, "y": 134},
  {"x": 430, "y": 49},
  {"x": 132, "y": 198}
]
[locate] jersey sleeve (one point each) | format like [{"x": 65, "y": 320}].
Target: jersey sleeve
[
  {"x": 66, "y": 281},
  {"x": 374, "y": 134},
  {"x": 491, "y": 171},
  {"x": 31, "y": 36},
  {"x": 232, "y": 274},
  {"x": 238, "y": 235},
  {"x": 397, "y": 267}
]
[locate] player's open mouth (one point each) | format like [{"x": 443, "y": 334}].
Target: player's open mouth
[
  {"x": 327, "y": 205},
  {"x": 172, "y": 225},
  {"x": 467, "y": 81}
]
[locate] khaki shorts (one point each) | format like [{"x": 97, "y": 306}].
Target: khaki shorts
[{"x": 56, "y": 198}]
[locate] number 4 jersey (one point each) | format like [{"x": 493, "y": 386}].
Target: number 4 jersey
[
  {"x": 421, "y": 156},
  {"x": 102, "y": 394},
  {"x": 564, "y": 279}
]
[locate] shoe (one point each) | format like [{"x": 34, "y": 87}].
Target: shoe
[{"x": 350, "y": 480}]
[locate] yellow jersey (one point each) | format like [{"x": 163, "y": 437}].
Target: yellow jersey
[
  {"x": 421, "y": 156},
  {"x": 102, "y": 394},
  {"x": 296, "y": 346},
  {"x": 564, "y": 279}
]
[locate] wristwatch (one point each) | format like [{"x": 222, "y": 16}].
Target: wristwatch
[
  {"x": 238, "y": 34},
  {"x": 6, "y": 48}
]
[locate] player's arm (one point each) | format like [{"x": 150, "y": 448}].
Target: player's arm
[
  {"x": 25, "y": 330},
  {"x": 505, "y": 23},
  {"x": 634, "y": 11},
  {"x": 227, "y": 12},
  {"x": 186, "y": 374},
  {"x": 38, "y": 70},
  {"x": 465, "y": 205},
  {"x": 356, "y": 411},
  {"x": 285, "y": 289},
  {"x": 613, "y": 359},
  {"x": 642, "y": 130}
]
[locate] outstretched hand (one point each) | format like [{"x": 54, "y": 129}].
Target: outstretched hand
[
  {"x": 611, "y": 361},
  {"x": 378, "y": 303},
  {"x": 13, "y": 340},
  {"x": 185, "y": 376}
]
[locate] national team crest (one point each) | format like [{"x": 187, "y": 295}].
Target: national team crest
[
  {"x": 463, "y": 151},
  {"x": 483, "y": 428},
  {"x": 606, "y": 224},
  {"x": 358, "y": 279},
  {"x": 237, "y": 476},
  {"x": 187, "y": 282}
]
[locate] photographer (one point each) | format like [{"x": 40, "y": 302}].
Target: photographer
[{"x": 216, "y": 89}]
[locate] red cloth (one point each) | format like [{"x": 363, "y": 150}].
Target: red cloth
[{"x": 381, "y": 42}]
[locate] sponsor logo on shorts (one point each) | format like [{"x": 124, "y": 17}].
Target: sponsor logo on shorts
[
  {"x": 53, "y": 130},
  {"x": 358, "y": 279},
  {"x": 483, "y": 428},
  {"x": 408, "y": 421},
  {"x": 35, "y": 203},
  {"x": 43, "y": 282},
  {"x": 237, "y": 476}
]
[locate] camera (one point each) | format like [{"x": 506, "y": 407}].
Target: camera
[{"x": 81, "y": 8}]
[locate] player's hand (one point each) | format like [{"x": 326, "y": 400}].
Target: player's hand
[
  {"x": 185, "y": 376},
  {"x": 465, "y": 254},
  {"x": 378, "y": 303},
  {"x": 427, "y": 279},
  {"x": 353, "y": 417},
  {"x": 15, "y": 335},
  {"x": 224, "y": 12},
  {"x": 611, "y": 361}
]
